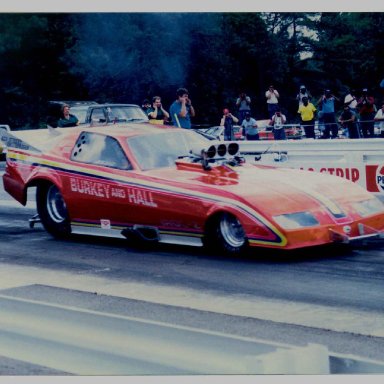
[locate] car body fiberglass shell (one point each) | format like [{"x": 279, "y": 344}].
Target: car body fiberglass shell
[{"x": 179, "y": 200}]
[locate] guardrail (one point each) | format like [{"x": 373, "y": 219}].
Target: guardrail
[
  {"x": 87, "y": 342},
  {"x": 319, "y": 127},
  {"x": 358, "y": 160}
]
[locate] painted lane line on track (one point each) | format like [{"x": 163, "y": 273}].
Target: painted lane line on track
[{"x": 303, "y": 314}]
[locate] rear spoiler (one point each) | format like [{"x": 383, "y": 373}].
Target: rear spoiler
[{"x": 35, "y": 140}]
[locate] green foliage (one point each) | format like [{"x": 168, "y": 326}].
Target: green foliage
[{"x": 126, "y": 57}]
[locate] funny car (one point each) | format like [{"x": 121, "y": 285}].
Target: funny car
[{"x": 172, "y": 185}]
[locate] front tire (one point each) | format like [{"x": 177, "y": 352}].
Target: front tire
[
  {"x": 52, "y": 210},
  {"x": 226, "y": 234}
]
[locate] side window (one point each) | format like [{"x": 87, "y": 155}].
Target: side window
[
  {"x": 94, "y": 148},
  {"x": 98, "y": 116}
]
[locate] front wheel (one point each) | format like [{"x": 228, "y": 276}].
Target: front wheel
[
  {"x": 52, "y": 210},
  {"x": 226, "y": 234}
]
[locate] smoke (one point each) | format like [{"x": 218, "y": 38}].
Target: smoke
[{"x": 130, "y": 55}]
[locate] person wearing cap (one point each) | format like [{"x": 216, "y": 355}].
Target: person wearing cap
[
  {"x": 307, "y": 116},
  {"x": 227, "y": 122},
  {"x": 327, "y": 104},
  {"x": 277, "y": 122},
  {"x": 249, "y": 125},
  {"x": 366, "y": 108},
  {"x": 303, "y": 92}
]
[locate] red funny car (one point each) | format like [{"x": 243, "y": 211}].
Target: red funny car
[{"x": 174, "y": 186}]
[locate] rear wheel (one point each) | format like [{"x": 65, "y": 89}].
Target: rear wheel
[
  {"x": 226, "y": 234},
  {"x": 52, "y": 210}
]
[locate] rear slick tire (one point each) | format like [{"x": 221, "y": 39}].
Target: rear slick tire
[{"x": 52, "y": 210}]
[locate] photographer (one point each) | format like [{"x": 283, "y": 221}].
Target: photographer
[
  {"x": 303, "y": 92},
  {"x": 272, "y": 100},
  {"x": 227, "y": 122},
  {"x": 157, "y": 114},
  {"x": 366, "y": 108},
  {"x": 351, "y": 100},
  {"x": 243, "y": 103},
  {"x": 327, "y": 104}
]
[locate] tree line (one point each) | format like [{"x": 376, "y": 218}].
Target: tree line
[{"x": 127, "y": 57}]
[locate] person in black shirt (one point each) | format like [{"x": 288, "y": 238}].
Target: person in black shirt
[
  {"x": 67, "y": 119},
  {"x": 157, "y": 114},
  {"x": 348, "y": 120}
]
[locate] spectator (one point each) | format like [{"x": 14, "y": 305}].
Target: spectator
[
  {"x": 351, "y": 100},
  {"x": 249, "y": 125},
  {"x": 348, "y": 120},
  {"x": 146, "y": 106},
  {"x": 272, "y": 100},
  {"x": 327, "y": 102},
  {"x": 67, "y": 119},
  {"x": 243, "y": 104},
  {"x": 181, "y": 109},
  {"x": 157, "y": 114},
  {"x": 366, "y": 107},
  {"x": 380, "y": 117},
  {"x": 277, "y": 122},
  {"x": 303, "y": 92},
  {"x": 307, "y": 113},
  {"x": 227, "y": 122}
]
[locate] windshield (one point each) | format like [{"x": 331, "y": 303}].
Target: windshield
[
  {"x": 126, "y": 114},
  {"x": 80, "y": 113},
  {"x": 162, "y": 149}
]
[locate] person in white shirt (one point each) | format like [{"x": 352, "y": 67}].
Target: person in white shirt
[
  {"x": 351, "y": 100},
  {"x": 380, "y": 117},
  {"x": 277, "y": 122},
  {"x": 272, "y": 100},
  {"x": 303, "y": 92}
]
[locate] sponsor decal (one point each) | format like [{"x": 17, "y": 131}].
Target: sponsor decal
[
  {"x": 88, "y": 187},
  {"x": 140, "y": 197},
  {"x": 106, "y": 191},
  {"x": 375, "y": 178},
  {"x": 347, "y": 229},
  {"x": 105, "y": 224},
  {"x": 352, "y": 174}
]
